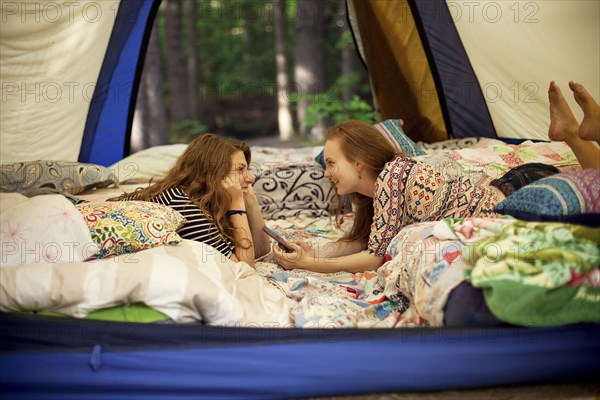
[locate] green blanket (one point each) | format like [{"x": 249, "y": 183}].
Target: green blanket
[{"x": 539, "y": 274}]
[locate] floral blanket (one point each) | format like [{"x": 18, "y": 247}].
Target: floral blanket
[
  {"x": 427, "y": 262},
  {"x": 539, "y": 274},
  {"x": 490, "y": 158},
  {"x": 336, "y": 300}
]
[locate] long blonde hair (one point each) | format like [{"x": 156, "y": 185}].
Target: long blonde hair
[
  {"x": 363, "y": 143},
  {"x": 199, "y": 172}
]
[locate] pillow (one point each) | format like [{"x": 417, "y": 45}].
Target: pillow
[
  {"x": 391, "y": 129},
  {"x": 64, "y": 176},
  {"x": 128, "y": 226},
  {"x": 144, "y": 165},
  {"x": 293, "y": 190},
  {"x": 42, "y": 229},
  {"x": 570, "y": 196}
]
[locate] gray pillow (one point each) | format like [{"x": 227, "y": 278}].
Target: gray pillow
[{"x": 64, "y": 176}]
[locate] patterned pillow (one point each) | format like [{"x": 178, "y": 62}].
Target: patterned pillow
[
  {"x": 391, "y": 129},
  {"x": 63, "y": 176},
  {"x": 293, "y": 190},
  {"x": 570, "y": 196},
  {"x": 129, "y": 226}
]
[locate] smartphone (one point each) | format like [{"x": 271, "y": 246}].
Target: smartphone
[{"x": 278, "y": 239}]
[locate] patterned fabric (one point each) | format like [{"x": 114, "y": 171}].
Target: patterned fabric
[
  {"x": 64, "y": 176},
  {"x": 130, "y": 226},
  {"x": 570, "y": 196},
  {"x": 409, "y": 191},
  {"x": 539, "y": 274},
  {"x": 392, "y": 131},
  {"x": 294, "y": 190},
  {"x": 491, "y": 159},
  {"x": 428, "y": 262},
  {"x": 43, "y": 229},
  {"x": 289, "y": 183},
  {"x": 451, "y": 144},
  {"x": 335, "y": 300},
  {"x": 197, "y": 227}
]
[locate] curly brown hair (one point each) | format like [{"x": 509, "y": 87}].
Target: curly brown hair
[
  {"x": 361, "y": 142},
  {"x": 199, "y": 172}
]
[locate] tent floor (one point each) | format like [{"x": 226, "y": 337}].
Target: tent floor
[{"x": 571, "y": 391}]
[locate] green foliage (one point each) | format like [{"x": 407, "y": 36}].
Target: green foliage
[
  {"x": 185, "y": 131},
  {"x": 324, "y": 107},
  {"x": 329, "y": 106}
]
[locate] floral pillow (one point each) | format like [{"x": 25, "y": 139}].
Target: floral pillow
[
  {"x": 391, "y": 129},
  {"x": 64, "y": 176},
  {"x": 570, "y": 196},
  {"x": 128, "y": 226}
]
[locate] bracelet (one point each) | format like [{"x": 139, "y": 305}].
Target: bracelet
[{"x": 233, "y": 212}]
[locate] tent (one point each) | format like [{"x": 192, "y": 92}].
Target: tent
[
  {"x": 69, "y": 74},
  {"x": 461, "y": 69}
]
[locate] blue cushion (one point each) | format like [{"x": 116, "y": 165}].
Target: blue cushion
[
  {"x": 392, "y": 131},
  {"x": 570, "y": 196}
]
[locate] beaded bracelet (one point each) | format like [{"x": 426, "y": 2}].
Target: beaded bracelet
[{"x": 233, "y": 212}]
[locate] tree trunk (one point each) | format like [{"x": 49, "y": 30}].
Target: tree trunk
[
  {"x": 308, "y": 69},
  {"x": 284, "y": 115},
  {"x": 150, "y": 119},
  {"x": 176, "y": 66},
  {"x": 348, "y": 53},
  {"x": 192, "y": 62}
]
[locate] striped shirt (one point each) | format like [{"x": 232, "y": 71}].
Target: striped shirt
[{"x": 197, "y": 226}]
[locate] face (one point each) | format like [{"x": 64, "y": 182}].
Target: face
[
  {"x": 239, "y": 170},
  {"x": 341, "y": 172}
]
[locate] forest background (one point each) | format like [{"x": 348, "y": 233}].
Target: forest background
[{"x": 250, "y": 69}]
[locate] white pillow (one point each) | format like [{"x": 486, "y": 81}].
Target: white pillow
[
  {"x": 153, "y": 162},
  {"x": 42, "y": 229}
]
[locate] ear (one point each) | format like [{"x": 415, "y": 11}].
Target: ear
[{"x": 359, "y": 166}]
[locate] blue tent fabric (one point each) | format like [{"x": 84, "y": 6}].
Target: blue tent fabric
[
  {"x": 463, "y": 104},
  {"x": 51, "y": 358},
  {"x": 106, "y": 135}
]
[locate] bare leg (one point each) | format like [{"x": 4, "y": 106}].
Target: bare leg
[
  {"x": 590, "y": 126},
  {"x": 564, "y": 127}
]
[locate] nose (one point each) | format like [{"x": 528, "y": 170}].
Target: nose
[{"x": 250, "y": 177}]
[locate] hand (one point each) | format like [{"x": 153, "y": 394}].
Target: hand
[
  {"x": 250, "y": 196},
  {"x": 300, "y": 256},
  {"x": 234, "y": 189}
]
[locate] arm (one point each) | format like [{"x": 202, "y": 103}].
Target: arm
[
  {"x": 244, "y": 249},
  {"x": 338, "y": 249},
  {"x": 302, "y": 257},
  {"x": 256, "y": 221}
]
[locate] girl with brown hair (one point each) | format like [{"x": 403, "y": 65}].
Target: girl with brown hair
[
  {"x": 211, "y": 186},
  {"x": 387, "y": 192}
]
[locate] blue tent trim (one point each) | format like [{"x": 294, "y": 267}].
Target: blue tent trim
[
  {"x": 463, "y": 104},
  {"x": 108, "y": 126},
  {"x": 62, "y": 359}
]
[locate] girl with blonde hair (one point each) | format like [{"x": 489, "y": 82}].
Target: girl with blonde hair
[{"x": 211, "y": 186}]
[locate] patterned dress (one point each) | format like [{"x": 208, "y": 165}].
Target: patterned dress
[
  {"x": 409, "y": 191},
  {"x": 197, "y": 226}
]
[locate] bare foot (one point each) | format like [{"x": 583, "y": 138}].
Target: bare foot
[
  {"x": 590, "y": 126},
  {"x": 563, "y": 125}
]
